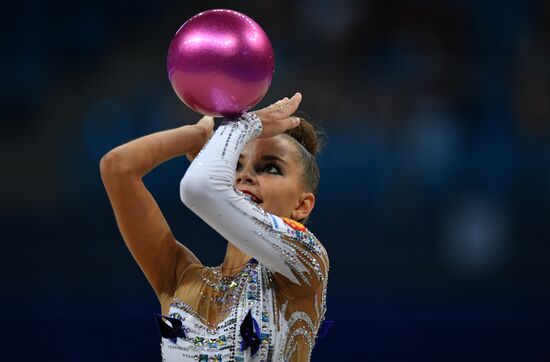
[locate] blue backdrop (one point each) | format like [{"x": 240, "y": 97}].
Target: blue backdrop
[{"x": 435, "y": 180}]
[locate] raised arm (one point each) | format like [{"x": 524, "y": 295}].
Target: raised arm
[
  {"x": 140, "y": 220},
  {"x": 208, "y": 190}
]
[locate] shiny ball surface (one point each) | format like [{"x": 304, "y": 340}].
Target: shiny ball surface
[{"x": 220, "y": 63}]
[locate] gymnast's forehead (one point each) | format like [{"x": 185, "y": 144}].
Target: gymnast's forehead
[{"x": 278, "y": 147}]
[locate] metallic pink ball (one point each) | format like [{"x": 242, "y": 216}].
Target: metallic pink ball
[{"x": 220, "y": 63}]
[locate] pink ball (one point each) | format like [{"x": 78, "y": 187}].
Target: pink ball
[{"x": 220, "y": 63}]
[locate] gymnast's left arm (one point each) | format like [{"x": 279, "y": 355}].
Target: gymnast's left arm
[{"x": 207, "y": 188}]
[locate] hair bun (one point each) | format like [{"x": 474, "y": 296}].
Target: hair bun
[{"x": 307, "y": 136}]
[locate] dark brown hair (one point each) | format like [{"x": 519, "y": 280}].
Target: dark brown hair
[{"x": 309, "y": 142}]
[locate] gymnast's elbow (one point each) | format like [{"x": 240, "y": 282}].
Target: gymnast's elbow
[
  {"x": 203, "y": 189},
  {"x": 192, "y": 190}
]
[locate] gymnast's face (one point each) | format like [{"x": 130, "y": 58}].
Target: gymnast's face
[{"x": 270, "y": 172}]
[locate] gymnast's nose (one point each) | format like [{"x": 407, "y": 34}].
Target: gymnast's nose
[{"x": 245, "y": 176}]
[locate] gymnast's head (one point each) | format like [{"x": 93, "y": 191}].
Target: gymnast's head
[{"x": 281, "y": 173}]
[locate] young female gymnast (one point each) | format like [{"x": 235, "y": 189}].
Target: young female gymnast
[{"x": 254, "y": 182}]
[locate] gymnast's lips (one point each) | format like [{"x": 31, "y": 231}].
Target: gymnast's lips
[{"x": 253, "y": 197}]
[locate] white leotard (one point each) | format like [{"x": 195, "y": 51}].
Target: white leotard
[{"x": 283, "y": 286}]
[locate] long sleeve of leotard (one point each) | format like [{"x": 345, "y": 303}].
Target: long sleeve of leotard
[{"x": 207, "y": 188}]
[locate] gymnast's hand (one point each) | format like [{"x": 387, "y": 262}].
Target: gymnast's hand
[
  {"x": 206, "y": 125},
  {"x": 277, "y": 118}
]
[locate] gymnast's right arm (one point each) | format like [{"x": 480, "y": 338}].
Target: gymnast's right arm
[{"x": 139, "y": 218}]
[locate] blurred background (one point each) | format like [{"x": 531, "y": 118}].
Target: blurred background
[{"x": 434, "y": 200}]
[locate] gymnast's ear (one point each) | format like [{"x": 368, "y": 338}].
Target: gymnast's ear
[{"x": 304, "y": 206}]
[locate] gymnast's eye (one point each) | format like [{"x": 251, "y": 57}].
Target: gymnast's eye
[
  {"x": 239, "y": 166},
  {"x": 272, "y": 168}
]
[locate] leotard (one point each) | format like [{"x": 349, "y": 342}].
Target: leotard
[{"x": 271, "y": 310}]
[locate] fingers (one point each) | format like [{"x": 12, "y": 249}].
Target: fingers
[
  {"x": 294, "y": 102},
  {"x": 279, "y": 104},
  {"x": 286, "y": 102},
  {"x": 207, "y": 122},
  {"x": 277, "y": 118},
  {"x": 289, "y": 106},
  {"x": 291, "y": 122}
]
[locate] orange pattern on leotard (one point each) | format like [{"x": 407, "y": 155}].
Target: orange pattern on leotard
[{"x": 294, "y": 224}]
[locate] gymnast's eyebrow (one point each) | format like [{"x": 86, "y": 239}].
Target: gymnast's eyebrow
[
  {"x": 273, "y": 158},
  {"x": 269, "y": 158}
]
